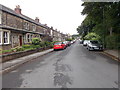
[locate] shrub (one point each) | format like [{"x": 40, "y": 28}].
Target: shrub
[
  {"x": 6, "y": 51},
  {"x": 92, "y": 36},
  {"x": 42, "y": 44},
  {"x": 35, "y": 46},
  {"x": 111, "y": 42},
  {"x": 36, "y": 41},
  {"x": 68, "y": 39},
  {"x": 26, "y": 46},
  {"x": 19, "y": 49}
]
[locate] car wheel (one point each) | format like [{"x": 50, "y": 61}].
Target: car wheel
[{"x": 89, "y": 49}]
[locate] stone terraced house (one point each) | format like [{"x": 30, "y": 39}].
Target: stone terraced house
[{"x": 17, "y": 29}]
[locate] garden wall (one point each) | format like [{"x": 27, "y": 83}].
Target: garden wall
[{"x": 7, "y": 57}]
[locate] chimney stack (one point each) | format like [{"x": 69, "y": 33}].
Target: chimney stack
[
  {"x": 51, "y": 27},
  {"x": 37, "y": 19},
  {"x": 45, "y": 24},
  {"x": 17, "y": 9}
]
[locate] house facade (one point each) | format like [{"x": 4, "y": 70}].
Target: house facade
[{"x": 17, "y": 29}]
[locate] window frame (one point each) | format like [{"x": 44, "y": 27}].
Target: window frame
[
  {"x": 34, "y": 27},
  {"x": 26, "y": 26},
  {"x": 0, "y": 17},
  {"x": 29, "y": 39},
  {"x": 3, "y": 38},
  {"x": 8, "y": 37},
  {"x": 1, "y": 35}
]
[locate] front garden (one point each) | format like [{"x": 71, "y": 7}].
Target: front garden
[{"x": 35, "y": 44}]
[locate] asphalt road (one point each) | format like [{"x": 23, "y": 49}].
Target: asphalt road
[{"x": 74, "y": 67}]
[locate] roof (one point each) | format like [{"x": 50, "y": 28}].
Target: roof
[{"x": 8, "y": 10}]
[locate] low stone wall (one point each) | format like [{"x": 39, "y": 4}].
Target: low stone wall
[{"x": 7, "y": 57}]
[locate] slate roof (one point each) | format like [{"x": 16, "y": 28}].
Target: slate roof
[{"x": 8, "y": 10}]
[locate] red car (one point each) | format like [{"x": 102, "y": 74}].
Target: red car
[{"x": 59, "y": 45}]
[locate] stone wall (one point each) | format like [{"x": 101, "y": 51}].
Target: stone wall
[{"x": 15, "y": 55}]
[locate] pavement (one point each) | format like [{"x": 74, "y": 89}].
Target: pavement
[
  {"x": 12, "y": 64},
  {"x": 74, "y": 67},
  {"x": 114, "y": 54}
]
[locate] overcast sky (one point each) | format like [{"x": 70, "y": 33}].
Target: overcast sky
[{"x": 63, "y": 15}]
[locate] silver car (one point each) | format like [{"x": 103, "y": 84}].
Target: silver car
[
  {"x": 94, "y": 45},
  {"x": 85, "y": 42}
]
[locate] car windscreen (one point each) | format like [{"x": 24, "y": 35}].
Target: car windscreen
[
  {"x": 63, "y": 42},
  {"x": 94, "y": 42},
  {"x": 58, "y": 43}
]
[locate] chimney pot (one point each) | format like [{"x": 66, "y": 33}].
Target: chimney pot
[{"x": 17, "y": 9}]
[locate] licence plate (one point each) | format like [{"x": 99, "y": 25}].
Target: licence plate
[{"x": 96, "y": 48}]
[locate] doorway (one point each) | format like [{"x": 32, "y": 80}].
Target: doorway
[{"x": 20, "y": 40}]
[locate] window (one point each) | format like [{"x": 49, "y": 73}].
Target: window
[
  {"x": 5, "y": 37},
  {"x": 34, "y": 28},
  {"x": 0, "y": 37},
  {"x": 31, "y": 37},
  {"x": 28, "y": 37},
  {"x": 26, "y": 26},
  {"x": 0, "y": 17}
]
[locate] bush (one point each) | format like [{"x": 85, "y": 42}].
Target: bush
[
  {"x": 92, "y": 36},
  {"x": 68, "y": 39},
  {"x": 111, "y": 42},
  {"x": 36, "y": 41},
  {"x": 35, "y": 46},
  {"x": 26, "y": 46},
  {"x": 19, "y": 49},
  {"x": 42, "y": 44}
]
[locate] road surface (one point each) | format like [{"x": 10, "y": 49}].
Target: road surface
[{"x": 74, "y": 67}]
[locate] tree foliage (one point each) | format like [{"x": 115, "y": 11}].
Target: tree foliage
[
  {"x": 92, "y": 36},
  {"x": 102, "y": 18}
]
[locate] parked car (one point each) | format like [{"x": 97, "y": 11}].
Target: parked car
[
  {"x": 85, "y": 42},
  {"x": 94, "y": 45},
  {"x": 81, "y": 41},
  {"x": 59, "y": 45},
  {"x": 65, "y": 43},
  {"x": 69, "y": 43}
]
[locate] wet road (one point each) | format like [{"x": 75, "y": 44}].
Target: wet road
[{"x": 74, "y": 67}]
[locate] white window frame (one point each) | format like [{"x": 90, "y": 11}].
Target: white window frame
[
  {"x": 28, "y": 39},
  {"x": 7, "y": 37},
  {"x": 31, "y": 37},
  {"x": 0, "y": 17},
  {"x": 26, "y": 26},
  {"x": 1, "y": 37},
  {"x": 34, "y": 27}
]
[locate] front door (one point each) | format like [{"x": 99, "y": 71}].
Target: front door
[{"x": 20, "y": 40}]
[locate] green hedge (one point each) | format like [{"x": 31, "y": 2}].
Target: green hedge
[{"x": 112, "y": 42}]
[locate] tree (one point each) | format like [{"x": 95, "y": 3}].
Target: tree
[{"x": 103, "y": 18}]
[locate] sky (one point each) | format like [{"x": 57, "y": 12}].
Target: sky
[{"x": 63, "y": 15}]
